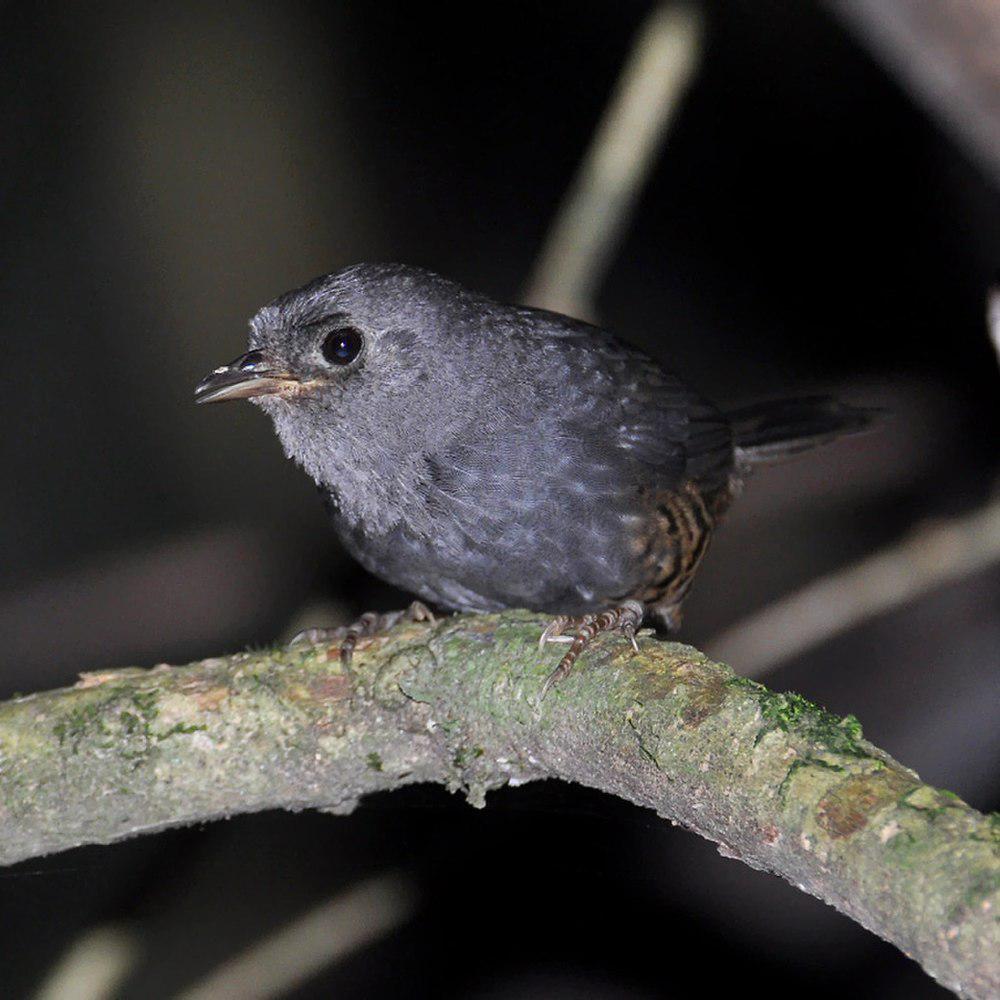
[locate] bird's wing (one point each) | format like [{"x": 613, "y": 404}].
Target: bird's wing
[
  {"x": 620, "y": 401},
  {"x": 542, "y": 501}
]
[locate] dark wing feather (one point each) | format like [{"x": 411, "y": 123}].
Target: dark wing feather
[{"x": 541, "y": 507}]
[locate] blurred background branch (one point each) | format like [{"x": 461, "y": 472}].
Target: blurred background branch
[
  {"x": 931, "y": 557},
  {"x": 278, "y": 964},
  {"x": 945, "y": 53},
  {"x": 95, "y": 967},
  {"x": 595, "y": 210}
]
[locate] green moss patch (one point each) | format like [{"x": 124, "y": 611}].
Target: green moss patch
[
  {"x": 121, "y": 720},
  {"x": 791, "y": 713}
]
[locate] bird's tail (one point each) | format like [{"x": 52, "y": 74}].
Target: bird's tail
[{"x": 774, "y": 430}]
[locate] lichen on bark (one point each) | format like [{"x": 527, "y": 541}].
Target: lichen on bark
[{"x": 775, "y": 780}]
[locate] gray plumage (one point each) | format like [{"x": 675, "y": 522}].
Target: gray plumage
[{"x": 485, "y": 456}]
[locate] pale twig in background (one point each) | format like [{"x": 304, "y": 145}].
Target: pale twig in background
[
  {"x": 993, "y": 318},
  {"x": 947, "y": 52},
  {"x": 277, "y": 964},
  {"x": 596, "y": 207},
  {"x": 118, "y": 604},
  {"x": 933, "y": 555},
  {"x": 94, "y": 967}
]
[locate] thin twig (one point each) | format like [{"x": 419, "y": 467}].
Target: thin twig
[
  {"x": 932, "y": 556},
  {"x": 280, "y": 962},
  {"x": 94, "y": 967},
  {"x": 596, "y": 207},
  {"x": 993, "y": 318},
  {"x": 945, "y": 53}
]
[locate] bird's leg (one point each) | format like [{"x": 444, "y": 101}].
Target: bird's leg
[
  {"x": 626, "y": 618},
  {"x": 369, "y": 624}
]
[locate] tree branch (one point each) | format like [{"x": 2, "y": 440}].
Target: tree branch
[{"x": 775, "y": 781}]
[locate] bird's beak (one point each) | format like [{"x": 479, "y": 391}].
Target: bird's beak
[{"x": 251, "y": 374}]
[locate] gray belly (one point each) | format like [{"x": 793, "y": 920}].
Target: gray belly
[
  {"x": 461, "y": 573},
  {"x": 418, "y": 566}
]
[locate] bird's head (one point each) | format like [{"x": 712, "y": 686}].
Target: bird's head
[
  {"x": 362, "y": 367},
  {"x": 379, "y": 322}
]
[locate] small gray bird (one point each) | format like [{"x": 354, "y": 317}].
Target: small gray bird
[{"x": 487, "y": 456}]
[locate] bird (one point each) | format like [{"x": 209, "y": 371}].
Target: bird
[{"x": 486, "y": 456}]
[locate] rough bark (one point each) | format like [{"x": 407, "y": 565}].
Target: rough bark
[{"x": 776, "y": 781}]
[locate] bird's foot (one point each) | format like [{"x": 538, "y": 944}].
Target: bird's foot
[
  {"x": 579, "y": 632},
  {"x": 369, "y": 624}
]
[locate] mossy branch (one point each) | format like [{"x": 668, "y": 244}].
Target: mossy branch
[{"x": 775, "y": 781}]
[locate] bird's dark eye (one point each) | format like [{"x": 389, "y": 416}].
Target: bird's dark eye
[
  {"x": 341, "y": 347},
  {"x": 251, "y": 360}
]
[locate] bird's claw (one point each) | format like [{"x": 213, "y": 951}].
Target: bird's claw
[
  {"x": 554, "y": 631},
  {"x": 626, "y": 618},
  {"x": 369, "y": 624}
]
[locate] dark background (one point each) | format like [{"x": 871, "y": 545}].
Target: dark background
[{"x": 169, "y": 168}]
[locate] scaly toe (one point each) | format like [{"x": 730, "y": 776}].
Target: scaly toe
[
  {"x": 318, "y": 636},
  {"x": 626, "y": 618}
]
